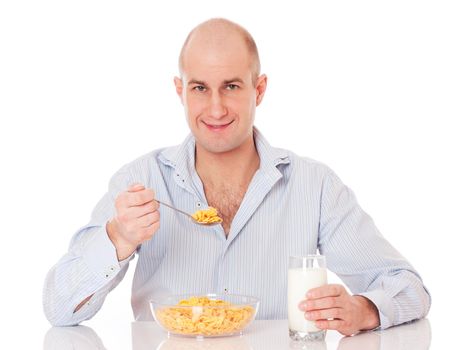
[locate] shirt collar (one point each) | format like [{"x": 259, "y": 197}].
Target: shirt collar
[
  {"x": 182, "y": 157},
  {"x": 269, "y": 156}
]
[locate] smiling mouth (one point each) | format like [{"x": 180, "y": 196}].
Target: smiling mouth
[{"x": 218, "y": 126}]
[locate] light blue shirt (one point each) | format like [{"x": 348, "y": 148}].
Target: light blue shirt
[{"x": 293, "y": 206}]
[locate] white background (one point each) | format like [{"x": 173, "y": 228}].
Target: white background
[{"x": 381, "y": 91}]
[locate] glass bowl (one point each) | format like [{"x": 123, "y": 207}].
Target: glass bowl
[{"x": 204, "y": 315}]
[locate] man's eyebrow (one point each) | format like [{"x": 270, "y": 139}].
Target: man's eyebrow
[
  {"x": 225, "y": 82},
  {"x": 234, "y": 80},
  {"x": 197, "y": 82}
]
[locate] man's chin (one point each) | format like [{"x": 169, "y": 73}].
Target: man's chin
[
  {"x": 217, "y": 147},
  {"x": 221, "y": 149}
]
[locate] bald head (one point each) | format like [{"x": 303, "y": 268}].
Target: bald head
[{"x": 219, "y": 34}]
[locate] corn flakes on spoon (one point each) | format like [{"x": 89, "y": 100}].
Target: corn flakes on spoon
[{"x": 207, "y": 217}]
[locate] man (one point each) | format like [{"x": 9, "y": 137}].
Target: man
[{"x": 273, "y": 203}]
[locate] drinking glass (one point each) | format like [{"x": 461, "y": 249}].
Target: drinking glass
[{"x": 305, "y": 272}]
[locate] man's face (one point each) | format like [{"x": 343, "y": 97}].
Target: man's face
[{"x": 219, "y": 96}]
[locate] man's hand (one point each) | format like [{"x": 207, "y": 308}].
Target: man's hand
[
  {"x": 331, "y": 307},
  {"x": 137, "y": 219}
]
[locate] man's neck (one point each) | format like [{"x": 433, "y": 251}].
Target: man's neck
[{"x": 236, "y": 167}]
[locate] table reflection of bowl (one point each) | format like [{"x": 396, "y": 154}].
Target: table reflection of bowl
[
  {"x": 204, "y": 315},
  {"x": 221, "y": 343}
]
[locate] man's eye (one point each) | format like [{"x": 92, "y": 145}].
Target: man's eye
[
  {"x": 232, "y": 87},
  {"x": 200, "y": 88}
]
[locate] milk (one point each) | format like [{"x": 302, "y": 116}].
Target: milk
[{"x": 300, "y": 281}]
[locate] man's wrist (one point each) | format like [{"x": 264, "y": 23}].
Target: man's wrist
[
  {"x": 370, "y": 314},
  {"x": 123, "y": 248}
]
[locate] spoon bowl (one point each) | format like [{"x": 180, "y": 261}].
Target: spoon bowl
[{"x": 191, "y": 216}]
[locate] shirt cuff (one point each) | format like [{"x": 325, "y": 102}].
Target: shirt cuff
[
  {"x": 384, "y": 305},
  {"x": 100, "y": 255},
  {"x": 125, "y": 262}
]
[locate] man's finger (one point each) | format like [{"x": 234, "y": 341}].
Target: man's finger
[
  {"x": 325, "y": 314},
  {"x": 330, "y": 324},
  {"x": 141, "y": 210},
  {"x": 149, "y": 219},
  {"x": 150, "y": 231},
  {"x": 318, "y": 304},
  {"x": 140, "y": 197},
  {"x": 135, "y": 187},
  {"x": 329, "y": 290}
]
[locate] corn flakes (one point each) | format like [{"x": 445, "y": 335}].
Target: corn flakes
[
  {"x": 207, "y": 216},
  {"x": 204, "y": 316}
]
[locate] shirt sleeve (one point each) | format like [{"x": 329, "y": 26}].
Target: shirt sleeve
[
  {"x": 90, "y": 267},
  {"x": 365, "y": 261}
]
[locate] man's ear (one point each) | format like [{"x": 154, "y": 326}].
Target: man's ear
[
  {"x": 179, "y": 87},
  {"x": 261, "y": 85}
]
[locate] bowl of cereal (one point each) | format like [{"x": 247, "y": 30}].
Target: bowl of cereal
[{"x": 204, "y": 315}]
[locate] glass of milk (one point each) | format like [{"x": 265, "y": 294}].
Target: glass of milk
[{"x": 305, "y": 272}]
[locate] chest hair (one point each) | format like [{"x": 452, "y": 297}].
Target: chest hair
[{"x": 227, "y": 199}]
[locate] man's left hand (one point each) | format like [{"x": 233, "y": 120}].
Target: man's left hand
[{"x": 331, "y": 307}]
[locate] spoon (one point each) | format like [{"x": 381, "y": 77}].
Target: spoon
[{"x": 189, "y": 215}]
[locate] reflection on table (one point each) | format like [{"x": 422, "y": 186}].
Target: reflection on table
[
  {"x": 262, "y": 334},
  {"x": 79, "y": 337}
]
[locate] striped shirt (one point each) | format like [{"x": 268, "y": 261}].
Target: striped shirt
[{"x": 293, "y": 206}]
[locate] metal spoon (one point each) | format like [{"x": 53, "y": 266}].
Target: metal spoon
[{"x": 189, "y": 215}]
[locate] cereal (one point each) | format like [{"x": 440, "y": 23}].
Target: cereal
[
  {"x": 204, "y": 316},
  {"x": 207, "y": 216}
]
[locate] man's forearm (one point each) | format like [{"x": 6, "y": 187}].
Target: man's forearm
[
  {"x": 403, "y": 298},
  {"x": 90, "y": 268}
]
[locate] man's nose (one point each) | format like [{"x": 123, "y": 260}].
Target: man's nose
[{"x": 217, "y": 108}]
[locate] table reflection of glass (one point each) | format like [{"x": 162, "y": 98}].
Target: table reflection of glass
[{"x": 271, "y": 334}]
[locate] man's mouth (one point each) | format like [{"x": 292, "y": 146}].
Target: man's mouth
[{"x": 217, "y": 127}]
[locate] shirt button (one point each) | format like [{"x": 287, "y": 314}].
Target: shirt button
[
  {"x": 198, "y": 204},
  {"x": 109, "y": 271}
]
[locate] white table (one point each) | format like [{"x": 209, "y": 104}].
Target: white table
[{"x": 262, "y": 334}]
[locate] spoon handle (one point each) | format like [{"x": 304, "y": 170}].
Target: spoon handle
[{"x": 172, "y": 207}]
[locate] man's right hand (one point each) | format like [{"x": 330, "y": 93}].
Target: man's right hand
[{"x": 137, "y": 219}]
